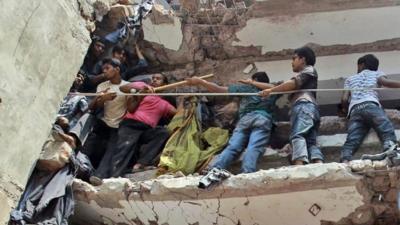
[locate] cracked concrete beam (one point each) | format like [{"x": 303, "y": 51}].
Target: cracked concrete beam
[
  {"x": 179, "y": 201},
  {"x": 279, "y": 196}
]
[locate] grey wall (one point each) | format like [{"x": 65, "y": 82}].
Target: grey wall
[{"x": 42, "y": 45}]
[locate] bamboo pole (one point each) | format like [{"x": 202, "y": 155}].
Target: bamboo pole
[{"x": 177, "y": 84}]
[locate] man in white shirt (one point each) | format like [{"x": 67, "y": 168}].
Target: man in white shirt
[{"x": 102, "y": 139}]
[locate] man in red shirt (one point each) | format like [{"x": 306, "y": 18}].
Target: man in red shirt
[{"x": 138, "y": 134}]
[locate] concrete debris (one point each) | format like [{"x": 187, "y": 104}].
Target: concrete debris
[
  {"x": 226, "y": 42},
  {"x": 238, "y": 200},
  {"x": 248, "y": 69}
]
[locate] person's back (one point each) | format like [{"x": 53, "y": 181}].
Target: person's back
[
  {"x": 254, "y": 103},
  {"x": 151, "y": 109},
  {"x": 364, "y": 110},
  {"x": 363, "y": 80}
]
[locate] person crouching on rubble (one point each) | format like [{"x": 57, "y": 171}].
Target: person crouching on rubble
[
  {"x": 364, "y": 110},
  {"x": 253, "y": 129},
  {"x": 304, "y": 116},
  {"x": 138, "y": 135}
]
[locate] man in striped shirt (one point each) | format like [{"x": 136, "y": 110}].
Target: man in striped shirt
[{"x": 364, "y": 110}]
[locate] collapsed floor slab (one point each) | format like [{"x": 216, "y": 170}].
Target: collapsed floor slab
[{"x": 313, "y": 194}]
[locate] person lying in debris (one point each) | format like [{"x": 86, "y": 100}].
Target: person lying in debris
[
  {"x": 102, "y": 139},
  {"x": 363, "y": 108},
  {"x": 253, "y": 129},
  {"x": 48, "y": 196},
  {"x": 139, "y": 137},
  {"x": 304, "y": 117}
]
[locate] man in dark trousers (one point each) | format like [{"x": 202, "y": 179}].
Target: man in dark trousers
[
  {"x": 139, "y": 137},
  {"x": 103, "y": 136}
]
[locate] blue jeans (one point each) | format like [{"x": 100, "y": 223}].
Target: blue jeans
[
  {"x": 305, "y": 120},
  {"x": 253, "y": 130},
  {"x": 364, "y": 116}
]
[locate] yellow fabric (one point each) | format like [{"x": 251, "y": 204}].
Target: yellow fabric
[{"x": 185, "y": 150}]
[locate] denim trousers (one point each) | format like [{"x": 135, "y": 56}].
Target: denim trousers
[
  {"x": 364, "y": 116},
  {"x": 305, "y": 121},
  {"x": 252, "y": 131}
]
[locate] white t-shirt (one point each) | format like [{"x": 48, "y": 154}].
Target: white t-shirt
[{"x": 115, "y": 109}]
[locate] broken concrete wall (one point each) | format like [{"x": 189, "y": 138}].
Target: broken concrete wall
[
  {"x": 314, "y": 194},
  {"x": 42, "y": 45},
  {"x": 265, "y": 34}
]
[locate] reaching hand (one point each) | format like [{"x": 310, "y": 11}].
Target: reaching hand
[
  {"x": 265, "y": 93},
  {"x": 194, "y": 81},
  {"x": 246, "y": 81},
  {"x": 109, "y": 96},
  {"x": 148, "y": 89}
]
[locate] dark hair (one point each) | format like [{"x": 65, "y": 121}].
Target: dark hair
[
  {"x": 370, "y": 62},
  {"x": 117, "y": 49},
  {"x": 260, "y": 77},
  {"x": 165, "y": 78},
  {"x": 113, "y": 62},
  {"x": 307, "y": 53}
]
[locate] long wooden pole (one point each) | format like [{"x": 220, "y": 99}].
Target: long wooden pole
[{"x": 177, "y": 84}]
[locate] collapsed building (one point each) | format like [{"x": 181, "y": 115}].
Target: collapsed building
[{"x": 232, "y": 43}]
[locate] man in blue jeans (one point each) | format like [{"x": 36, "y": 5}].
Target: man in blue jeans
[
  {"x": 254, "y": 127},
  {"x": 304, "y": 116},
  {"x": 364, "y": 109}
]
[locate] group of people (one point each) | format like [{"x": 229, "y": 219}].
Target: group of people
[
  {"x": 253, "y": 129},
  {"x": 123, "y": 129},
  {"x": 127, "y": 135}
]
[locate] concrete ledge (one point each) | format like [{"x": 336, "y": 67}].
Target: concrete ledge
[{"x": 336, "y": 194}]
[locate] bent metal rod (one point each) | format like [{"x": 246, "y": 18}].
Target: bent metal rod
[{"x": 239, "y": 94}]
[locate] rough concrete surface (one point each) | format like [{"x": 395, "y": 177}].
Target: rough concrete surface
[
  {"x": 42, "y": 45},
  {"x": 363, "y": 192},
  {"x": 45, "y": 42},
  {"x": 280, "y": 196}
]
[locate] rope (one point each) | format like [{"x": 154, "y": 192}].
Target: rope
[{"x": 241, "y": 94}]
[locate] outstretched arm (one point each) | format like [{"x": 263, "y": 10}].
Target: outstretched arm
[
  {"x": 384, "y": 81},
  {"x": 289, "y": 85},
  {"x": 138, "y": 52},
  {"x": 211, "y": 87},
  {"x": 259, "y": 85}
]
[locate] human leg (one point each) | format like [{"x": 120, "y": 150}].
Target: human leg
[
  {"x": 152, "y": 142},
  {"x": 126, "y": 147},
  {"x": 356, "y": 131},
  {"x": 382, "y": 126},
  {"x": 95, "y": 145},
  {"x": 302, "y": 122},
  {"x": 258, "y": 140}
]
